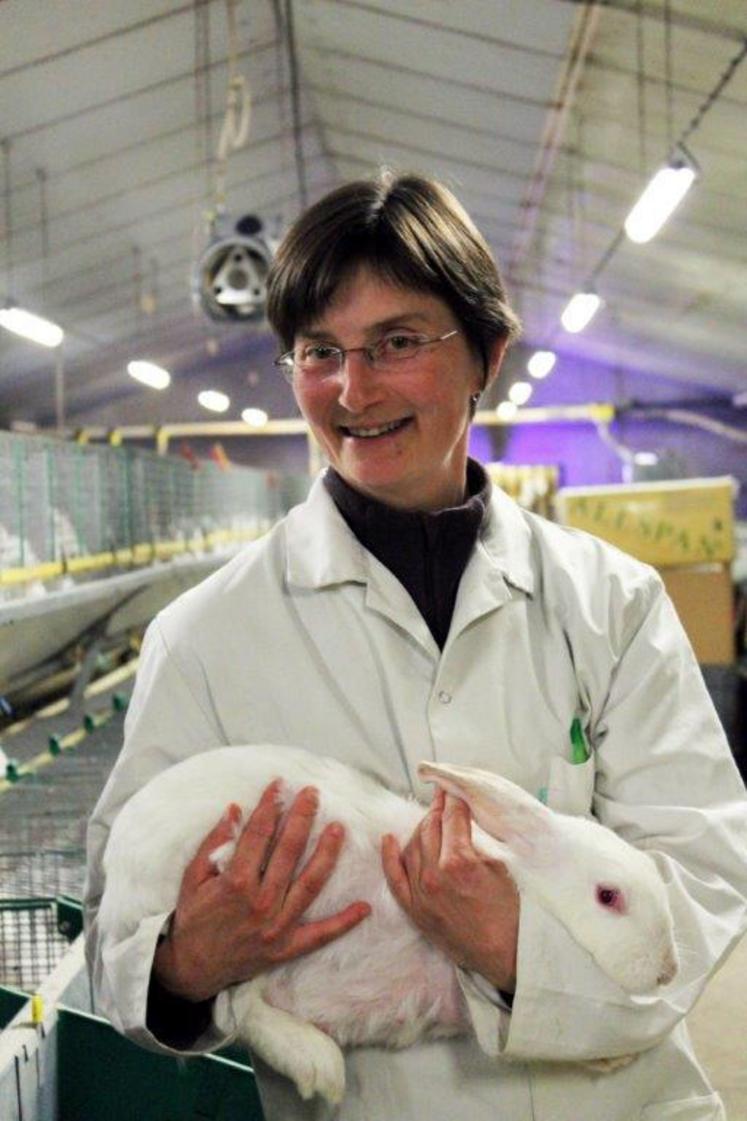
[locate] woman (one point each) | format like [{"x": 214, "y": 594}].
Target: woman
[{"x": 408, "y": 611}]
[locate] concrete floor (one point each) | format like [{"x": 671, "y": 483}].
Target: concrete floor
[{"x": 718, "y": 1026}]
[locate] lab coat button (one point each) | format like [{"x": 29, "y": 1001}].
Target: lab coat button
[{"x": 444, "y": 697}]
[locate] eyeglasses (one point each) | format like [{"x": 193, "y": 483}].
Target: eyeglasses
[{"x": 322, "y": 360}]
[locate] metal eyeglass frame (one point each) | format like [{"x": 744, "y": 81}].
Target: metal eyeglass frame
[{"x": 286, "y": 362}]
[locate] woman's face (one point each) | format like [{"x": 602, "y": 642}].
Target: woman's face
[{"x": 419, "y": 461}]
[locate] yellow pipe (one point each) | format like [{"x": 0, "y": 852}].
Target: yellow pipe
[
  {"x": 11, "y": 576},
  {"x": 297, "y": 426},
  {"x": 550, "y": 414},
  {"x": 44, "y": 758},
  {"x": 138, "y": 555},
  {"x": 100, "y": 685}
]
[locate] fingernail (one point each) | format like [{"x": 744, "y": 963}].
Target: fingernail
[
  {"x": 232, "y": 813},
  {"x": 336, "y": 830}
]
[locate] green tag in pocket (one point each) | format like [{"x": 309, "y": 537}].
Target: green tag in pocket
[{"x": 579, "y": 751}]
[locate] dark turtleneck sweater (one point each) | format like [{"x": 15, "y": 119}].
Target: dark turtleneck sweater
[{"x": 426, "y": 550}]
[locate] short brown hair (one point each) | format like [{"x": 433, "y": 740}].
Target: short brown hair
[{"x": 409, "y": 230}]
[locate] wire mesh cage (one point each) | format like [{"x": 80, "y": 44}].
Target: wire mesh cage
[
  {"x": 62, "y": 500},
  {"x": 31, "y": 944},
  {"x": 43, "y": 821}
]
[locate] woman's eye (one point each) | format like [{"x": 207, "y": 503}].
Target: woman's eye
[
  {"x": 399, "y": 344},
  {"x": 319, "y": 353}
]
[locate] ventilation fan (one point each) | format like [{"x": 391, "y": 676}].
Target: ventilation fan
[{"x": 230, "y": 278}]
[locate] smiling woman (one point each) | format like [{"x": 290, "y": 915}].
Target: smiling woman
[
  {"x": 398, "y": 431},
  {"x": 405, "y": 611},
  {"x": 396, "y": 320}
]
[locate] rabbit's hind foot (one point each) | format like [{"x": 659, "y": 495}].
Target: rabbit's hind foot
[{"x": 293, "y": 1047}]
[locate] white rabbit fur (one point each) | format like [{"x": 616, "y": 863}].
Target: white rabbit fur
[{"x": 382, "y": 983}]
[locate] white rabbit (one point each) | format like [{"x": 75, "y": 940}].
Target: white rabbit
[{"x": 383, "y": 982}]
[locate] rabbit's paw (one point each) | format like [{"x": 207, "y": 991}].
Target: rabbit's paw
[
  {"x": 318, "y": 1067},
  {"x": 604, "y": 1066},
  {"x": 294, "y": 1047}
]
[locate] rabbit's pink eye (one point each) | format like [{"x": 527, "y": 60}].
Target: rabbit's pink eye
[{"x": 611, "y": 898}]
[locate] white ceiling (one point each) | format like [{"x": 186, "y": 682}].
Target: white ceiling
[{"x": 545, "y": 116}]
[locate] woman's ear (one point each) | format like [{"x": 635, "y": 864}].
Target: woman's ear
[{"x": 495, "y": 361}]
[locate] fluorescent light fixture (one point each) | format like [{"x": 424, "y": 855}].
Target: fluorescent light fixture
[
  {"x": 30, "y": 326},
  {"x": 507, "y": 410},
  {"x": 579, "y": 311},
  {"x": 149, "y": 374},
  {"x": 255, "y": 418},
  {"x": 520, "y": 392},
  {"x": 541, "y": 363},
  {"x": 661, "y": 197},
  {"x": 214, "y": 400}
]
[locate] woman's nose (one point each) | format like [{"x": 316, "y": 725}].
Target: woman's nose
[{"x": 360, "y": 384}]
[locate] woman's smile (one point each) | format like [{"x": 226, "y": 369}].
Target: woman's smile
[{"x": 374, "y": 431}]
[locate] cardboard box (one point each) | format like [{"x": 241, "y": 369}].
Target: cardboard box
[
  {"x": 680, "y": 522},
  {"x": 703, "y": 595}
]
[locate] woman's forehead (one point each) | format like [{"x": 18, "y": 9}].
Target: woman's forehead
[{"x": 369, "y": 301}]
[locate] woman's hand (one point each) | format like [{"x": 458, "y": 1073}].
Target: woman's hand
[
  {"x": 230, "y": 926},
  {"x": 464, "y": 902}
]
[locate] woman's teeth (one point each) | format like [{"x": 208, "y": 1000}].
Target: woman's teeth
[{"x": 383, "y": 428}]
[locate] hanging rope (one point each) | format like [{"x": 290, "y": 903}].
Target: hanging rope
[
  {"x": 296, "y": 106},
  {"x": 641, "y": 89},
  {"x": 41, "y": 177},
  {"x": 668, "y": 84},
  {"x": 580, "y": 178},
  {"x": 137, "y": 288},
  {"x": 714, "y": 95},
  {"x": 9, "y": 263},
  {"x": 237, "y": 118},
  {"x": 203, "y": 106}
]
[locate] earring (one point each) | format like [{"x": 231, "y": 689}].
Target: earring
[{"x": 474, "y": 398}]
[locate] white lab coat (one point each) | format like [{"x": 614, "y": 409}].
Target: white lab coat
[{"x": 305, "y": 638}]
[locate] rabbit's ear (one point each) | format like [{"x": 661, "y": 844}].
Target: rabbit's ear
[{"x": 501, "y": 808}]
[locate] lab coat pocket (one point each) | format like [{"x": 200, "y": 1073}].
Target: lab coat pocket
[
  {"x": 570, "y": 786},
  {"x": 708, "y": 1108}
]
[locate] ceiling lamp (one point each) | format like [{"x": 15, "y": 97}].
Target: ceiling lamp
[
  {"x": 155, "y": 377},
  {"x": 214, "y": 400},
  {"x": 520, "y": 392},
  {"x": 579, "y": 311},
  {"x": 507, "y": 410},
  {"x": 541, "y": 363},
  {"x": 30, "y": 326},
  {"x": 661, "y": 197},
  {"x": 255, "y": 418}
]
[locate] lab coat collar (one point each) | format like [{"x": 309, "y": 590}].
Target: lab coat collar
[
  {"x": 507, "y": 538},
  {"x": 323, "y": 551}
]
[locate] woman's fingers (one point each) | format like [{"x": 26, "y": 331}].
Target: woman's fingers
[
  {"x": 395, "y": 871},
  {"x": 201, "y": 867},
  {"x": 289, "y": 844},
  {"x": 456, "y": 829},
  {"x": 307, "y": 885},
  {"x": 313, "y": 935},
  {"x": 429, "y": 832},
  {"x": 255, "y": 842}
]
